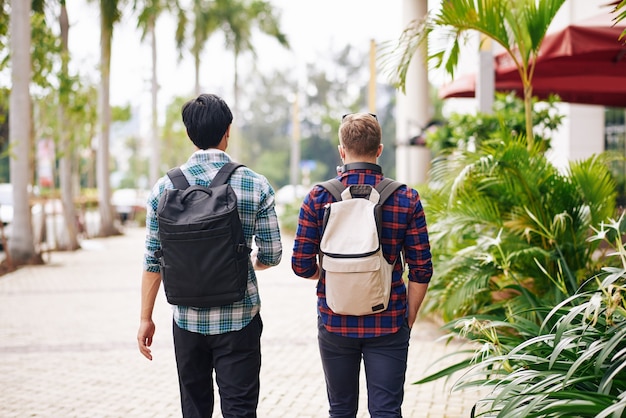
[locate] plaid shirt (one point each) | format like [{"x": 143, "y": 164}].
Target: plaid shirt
[
  {"x": 255, "y": 201},
  {"x": 404, "y": 228}
]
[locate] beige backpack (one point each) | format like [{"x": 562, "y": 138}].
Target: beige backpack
[{"x": 358, "y": 278}]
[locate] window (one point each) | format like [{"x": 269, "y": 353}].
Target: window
[{"x": 615, "y": 141}]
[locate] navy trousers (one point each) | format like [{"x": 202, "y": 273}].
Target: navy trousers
[
  {"x": 236, "y": 359},
  {"x": 384, "y": 359}
]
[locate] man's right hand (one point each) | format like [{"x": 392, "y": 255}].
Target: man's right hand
[{"x": 144, "y": 337}]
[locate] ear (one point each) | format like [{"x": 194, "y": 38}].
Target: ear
[
  {"x": 224, "y": 142},
  {"x": 342, "y": 152},
  {"x": 380, "y": 150}
]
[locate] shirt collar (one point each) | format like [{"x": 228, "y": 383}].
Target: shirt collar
[
  {"x": 211, "y": 155},
  {"x": 369, "y": 167}
]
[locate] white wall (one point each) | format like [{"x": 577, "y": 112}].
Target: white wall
[
  {"x": 582, "y": 132},
  {"x": 581, "y": 135}
]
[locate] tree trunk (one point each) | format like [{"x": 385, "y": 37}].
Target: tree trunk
[
  {"x": 155, "y": 143},
  {"x": 65, "y": 161},
  {"x": 107, "y": 227},
  {"x": 528, "y": 112},
  {"x": 235, "y": 137},
  {"x": 196, "y": 64},
  {"x": 21, "y": 247}
]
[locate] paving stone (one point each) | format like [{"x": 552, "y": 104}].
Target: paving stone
[{"x": 68, "y": 348}]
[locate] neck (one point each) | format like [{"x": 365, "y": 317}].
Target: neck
[{"x": 348, "y": 160}]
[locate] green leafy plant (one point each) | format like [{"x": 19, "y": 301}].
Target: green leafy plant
[
  {"x": 572, "y": 364},
  {"x": 510, "y": 228},
  {"x": 461, "y": 130}
]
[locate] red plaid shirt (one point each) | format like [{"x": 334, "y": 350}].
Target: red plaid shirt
[{"x": 404, "y": 228}]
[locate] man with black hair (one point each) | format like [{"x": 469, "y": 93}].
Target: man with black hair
[{"x": 224, "y": 339}]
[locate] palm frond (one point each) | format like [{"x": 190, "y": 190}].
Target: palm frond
[
  {"x": 110, "y": 11},
  {"x": 396, "y": 58},
  {"x": 620, "y": 12},
  {"x": 38, "y": 6},
  {"x": 447, "y": 371},
  {"x": 537, "y": 17},
  {"x": 484, "y": 16},
  {"x": 465, "y": 287},
  {"x": 597, "y": 188}
]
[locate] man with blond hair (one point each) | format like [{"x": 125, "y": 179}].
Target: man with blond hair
[{"x": 379, "y": 339}]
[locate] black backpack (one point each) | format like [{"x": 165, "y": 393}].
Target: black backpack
[{"x": 203, "y": 256}]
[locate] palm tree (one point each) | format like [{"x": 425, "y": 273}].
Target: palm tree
[
  {"x": 236, "y": 18},
  {"x": 45, "y": 49},
  {"x": 149, "y": 13},
  {"x": 21, "y": 249},
  {"x": 66, "y": 157},
  {"x": 109, "y": 15},
  {"x": 518, "y": 26},
  {"x": 239, "y": 18},
  {"x": 205, "y": 22}
]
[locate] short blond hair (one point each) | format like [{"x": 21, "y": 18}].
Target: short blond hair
[{"x": 360, "y": 134}]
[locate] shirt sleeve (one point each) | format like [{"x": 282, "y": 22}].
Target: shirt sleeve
[
  {"x": 307, "y": 239},
  {"x": 152, "y": 242},
  {"x": 267, "y": 230},
  {"x": 417, "y": 246}
]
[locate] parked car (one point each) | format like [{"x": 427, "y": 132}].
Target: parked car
[
  {"x": 291, "y": 194},
  {"x": 6, "y": 203},
  {"x": 6, "y": 209},
  {"x": 50, "y": 210},
  {"x": 129, "y": 203}
]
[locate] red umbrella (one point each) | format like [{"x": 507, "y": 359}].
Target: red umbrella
[{"x": 583, "y": 63}]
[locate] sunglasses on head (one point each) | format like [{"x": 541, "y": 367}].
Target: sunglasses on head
[{"x": 348, "y": 114}]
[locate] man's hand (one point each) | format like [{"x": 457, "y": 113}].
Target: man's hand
[
  {"x": 417, "y": 291},
  {"x": 317, "y": 274},
  {"x": 144, "y": 337},
  {"x": 256, "y": 264},
  {"x": 150, "y": 283}
]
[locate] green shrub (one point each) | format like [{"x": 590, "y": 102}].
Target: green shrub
[
  {"x": 571, "y": 365},
  {"x": 288, "y": 217},
  {"x": 508, "y": 228}
]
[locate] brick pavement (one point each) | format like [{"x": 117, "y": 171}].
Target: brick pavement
[{"x": 67, "y": 344}]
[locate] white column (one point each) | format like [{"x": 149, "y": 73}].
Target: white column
[
  {"x": 580, "y": 136},
  {"x": 294, "y": 159},
  {"x": 413, "y": 109},
  {"x": 486, "y": 78}
]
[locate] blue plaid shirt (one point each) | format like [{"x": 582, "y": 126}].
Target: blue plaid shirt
[{"x": 255, "y": 201}]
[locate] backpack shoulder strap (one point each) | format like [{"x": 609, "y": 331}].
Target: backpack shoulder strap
[
  {"x": 334, "y": 187},
  {"x": 386, "y": 188},
  {"x": 178, "y": 178},
  {"x": 223, "y": 175}
]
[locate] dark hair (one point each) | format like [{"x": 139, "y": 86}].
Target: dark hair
[
  {"x": 206, "y": 118},
  {"x": 360, "y": 133}
]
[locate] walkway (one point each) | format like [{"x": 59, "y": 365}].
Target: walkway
[{"x": 67, "y": 344}]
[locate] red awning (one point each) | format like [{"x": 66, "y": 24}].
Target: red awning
[{"x": 583, "y": 63}]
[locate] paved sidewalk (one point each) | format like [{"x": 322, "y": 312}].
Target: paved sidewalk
[{"x": 68, "y": 348}]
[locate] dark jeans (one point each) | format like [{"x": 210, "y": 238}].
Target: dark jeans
[
  {"x": 236, "y": 359},
  {"x": 384, "y": 359}
]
